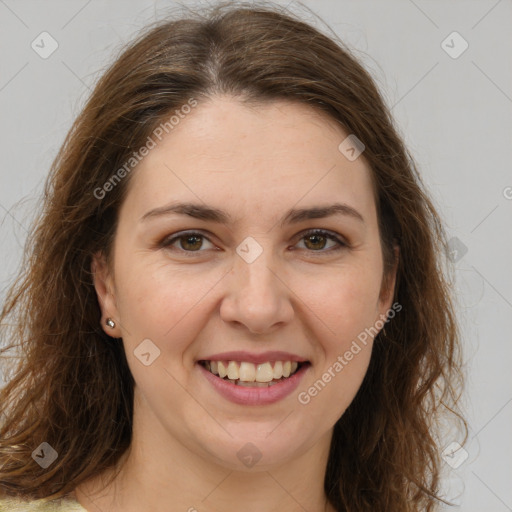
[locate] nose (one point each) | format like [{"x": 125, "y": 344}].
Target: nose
[{"x": 258, "y": 296}]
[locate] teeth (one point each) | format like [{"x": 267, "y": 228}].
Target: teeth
[
  {"x": 222, "y": 370},
  {"x": 278, "y": 369},
  {"x": 233, "y": 370},
  {"x": 264, "y": 372},
  {"x": 245, "y": 372},
  {"x": 253, "y": 384}
]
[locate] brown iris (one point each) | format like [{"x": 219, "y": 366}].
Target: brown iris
[
  {"x": 192, "y": 242},
  {"x": 315, "y": 237}
]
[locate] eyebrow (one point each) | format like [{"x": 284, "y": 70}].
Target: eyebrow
[{"x": 293, "y": 216}]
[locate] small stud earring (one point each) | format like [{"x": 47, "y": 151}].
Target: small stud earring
[{"x": 110, "y": 323}]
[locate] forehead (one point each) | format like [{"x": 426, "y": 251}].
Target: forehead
[{"x": 259, "y": 157}]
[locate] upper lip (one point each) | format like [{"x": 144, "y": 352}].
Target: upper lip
[{"x": 250, "y": 357}]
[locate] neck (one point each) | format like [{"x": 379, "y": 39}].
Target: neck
[{"x": 159, "y": 473}]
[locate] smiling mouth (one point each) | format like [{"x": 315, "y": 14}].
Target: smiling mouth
[{"x": 247, "y": 374}]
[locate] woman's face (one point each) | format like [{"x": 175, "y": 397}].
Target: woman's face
[{"x": 239, "y": 276}]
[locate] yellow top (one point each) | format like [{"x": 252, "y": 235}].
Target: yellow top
[{"x": 19, "y": 505}]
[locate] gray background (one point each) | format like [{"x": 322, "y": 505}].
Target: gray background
[{"x": 455, "y": 114}]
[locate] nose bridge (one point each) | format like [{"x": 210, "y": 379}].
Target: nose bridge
[
  {"x": 258, "y": 299},
  {"x": 257, "y": 276}
]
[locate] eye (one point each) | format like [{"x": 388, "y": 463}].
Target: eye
[
  {"x": 315, "y": 240},
  {"x": 188, "y": 241}
]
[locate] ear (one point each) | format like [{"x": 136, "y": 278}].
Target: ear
[
  {"x": 387, "y": 291},
  {"x": 104, "y": 286}
]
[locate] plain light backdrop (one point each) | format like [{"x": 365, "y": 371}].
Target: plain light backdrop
[{"x": 443, "y": 67}]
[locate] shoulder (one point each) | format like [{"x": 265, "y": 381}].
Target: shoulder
[{"x": 19, "y": 505}]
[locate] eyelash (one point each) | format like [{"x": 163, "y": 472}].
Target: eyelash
[{"x": 167, "y": 242}]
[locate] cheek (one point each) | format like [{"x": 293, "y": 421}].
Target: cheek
[
  {"x": 346, "y": 309},
  {"x": 162, "y": 303},
  {"x": 345, "y": 305},
  {"x": 345, "y": 301}
]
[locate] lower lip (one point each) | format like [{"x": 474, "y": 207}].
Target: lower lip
[{"x": 255, "y": 396}]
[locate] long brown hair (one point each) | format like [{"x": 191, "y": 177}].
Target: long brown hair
[{"x": 69, "y": 384}]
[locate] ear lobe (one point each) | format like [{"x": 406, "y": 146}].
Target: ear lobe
[{"x": 104, "y": 286}]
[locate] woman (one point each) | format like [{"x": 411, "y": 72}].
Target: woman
[{"x": 234, "y": 296}]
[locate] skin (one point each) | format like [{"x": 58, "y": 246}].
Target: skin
[{"x": 299, "y": 296}]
